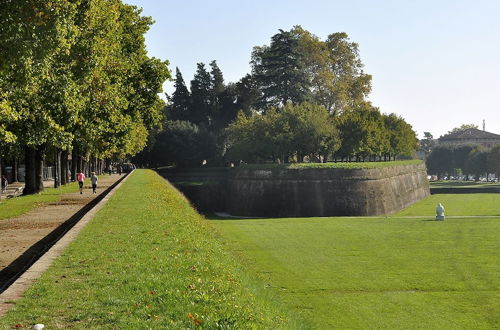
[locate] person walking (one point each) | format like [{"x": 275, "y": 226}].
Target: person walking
[
  {"x": 5, "y": 183},
  {"x": 94, "y": 179},
  {"x": 80, "y": 177}
]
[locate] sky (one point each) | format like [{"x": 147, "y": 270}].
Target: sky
[{"x": 435, "y": 63}]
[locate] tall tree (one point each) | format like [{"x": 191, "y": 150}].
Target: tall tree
[
  {"x": 180, "y": 100},
  {"x": 201, "y": 92},
  {"x": 279, "y": 70}
]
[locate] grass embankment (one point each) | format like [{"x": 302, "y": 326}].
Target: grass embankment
[
  {"x": 456, "y": 205},
  {"x": 342, "y": 165},
  {"x": 463, "y": 184},
  {"x": 376, "y": 273},
  {"x": 16, "y": 206},
  {"x": 146, "y": 261}
]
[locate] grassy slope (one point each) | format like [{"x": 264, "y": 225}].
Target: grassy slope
[
  {"x": 456, "y": 205},
  {"x": 147, "y": 260},
  {"x": 16, "y": 206},
  {"x": 351, "y": 273}
]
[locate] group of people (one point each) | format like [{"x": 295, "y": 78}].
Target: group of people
[{"x": 80, "y": 177}]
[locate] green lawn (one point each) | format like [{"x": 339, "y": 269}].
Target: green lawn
[
  {"x": 23, "y": 204},
  {"x": 456, "y": 205},
  {"x": 376, "y": 273},
  {"x": 148, "y": 261}
]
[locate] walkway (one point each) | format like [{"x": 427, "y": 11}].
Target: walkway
[{"x": 18, "y": 234}]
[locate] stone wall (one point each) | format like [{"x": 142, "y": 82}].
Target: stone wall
[{"x": 281, "y": 192}]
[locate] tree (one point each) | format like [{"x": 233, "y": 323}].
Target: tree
[
  {"x": 440, "y": 160},
  {"x": 476, "y": 163},
  {"x": 290, "y": 132},
  {"x": 280, "y": 72},
  {"x": 402, "y": 138},
  {"x": 427, "y": 143},
  {"x": 36, "y": 40},
  {"x": 179, "y": 106},
  {"x": 462, "y": 128},
  {"x": 362, "y": 133},
  {"x": 201, "y": 93},
  {"x": 493, "y": 161}
]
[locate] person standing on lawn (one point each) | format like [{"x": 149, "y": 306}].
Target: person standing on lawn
[
  {"x": 94, "y": 179},
  {"x": 80, "y": 177}
]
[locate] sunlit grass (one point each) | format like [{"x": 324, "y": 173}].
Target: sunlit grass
[
  {"x": 376, "y": 273},
  {"x": 456, "y": 205},
  {"x": 16, "y": 206},
  {"x": 147, "y": 261}
]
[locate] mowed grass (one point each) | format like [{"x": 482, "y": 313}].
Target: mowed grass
[
  {"x": 456, "y": 205},
  {"x": 376, "y": 273},
  {"x": 14, "y": 207},
  {"x": 147, "y": 261}
]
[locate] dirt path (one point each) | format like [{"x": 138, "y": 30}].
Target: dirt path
[{"x": 18, "y": 234}]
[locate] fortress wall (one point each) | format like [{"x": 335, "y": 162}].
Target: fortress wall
[{"x": 310, "y": 192}]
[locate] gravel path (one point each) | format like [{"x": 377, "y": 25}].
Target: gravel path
[{"x": 20, "y": 233}]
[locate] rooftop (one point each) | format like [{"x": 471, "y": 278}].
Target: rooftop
[{"x": 470, "y": 133}]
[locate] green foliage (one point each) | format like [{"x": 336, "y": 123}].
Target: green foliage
[
  {"x": 462, "y": 128},
  {"x": 158, "y": 265},
  {"x": 493, "y": 161},
  {"x": 279, "y": 70},
  {"x": 281, "y": 133}
]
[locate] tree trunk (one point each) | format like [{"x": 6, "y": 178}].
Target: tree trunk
[
  {"x": 39, "y": 163},
  {"x": 57, "y": 168},
  {"x": 64, "y": 167},
  {"x": 29, "y": 173},
  {"x": 74, "y": 164},
  {"x": 15, "y": 170}
]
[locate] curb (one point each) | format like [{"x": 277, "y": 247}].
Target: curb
[{"x": 16, "y": 290}]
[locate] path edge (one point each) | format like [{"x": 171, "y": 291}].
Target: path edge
[{"x": 17, "y": 289}]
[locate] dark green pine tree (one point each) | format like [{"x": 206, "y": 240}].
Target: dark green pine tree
[
  {"x": 201, "y": 90},
  {"x": 180, "y": 101},
  {"x": 280, "y": 71},
  {"x": 216, "y": 96}
]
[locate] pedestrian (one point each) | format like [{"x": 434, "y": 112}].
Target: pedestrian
[
  {"x": 80, "y": 177},
  {"x": 93, "y": 179},
  {"x": 110, "y": 169},
  {"x": 119, "y": 170},
  {"x": 5, "y": 183}
]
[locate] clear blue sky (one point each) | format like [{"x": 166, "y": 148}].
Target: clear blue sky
[{"x": 436, "y": 63}]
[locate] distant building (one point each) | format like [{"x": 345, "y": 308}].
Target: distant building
[{"x": 471, "y": 136}]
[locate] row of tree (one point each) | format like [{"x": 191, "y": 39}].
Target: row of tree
[
  {"x": 75, "y": 79},
  {"x": 304, "y": 97},
  {"x": 467, "y": 159}
]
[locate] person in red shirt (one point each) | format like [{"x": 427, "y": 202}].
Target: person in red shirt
[{"x": 80, "y": 177}]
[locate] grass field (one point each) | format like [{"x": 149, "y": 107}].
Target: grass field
[
  {"x": 147, "y": 261},
  {"x": 23, "y": 204},
  {"x": 456, "y": 205},
  {"x": 376, "y": 273}
]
